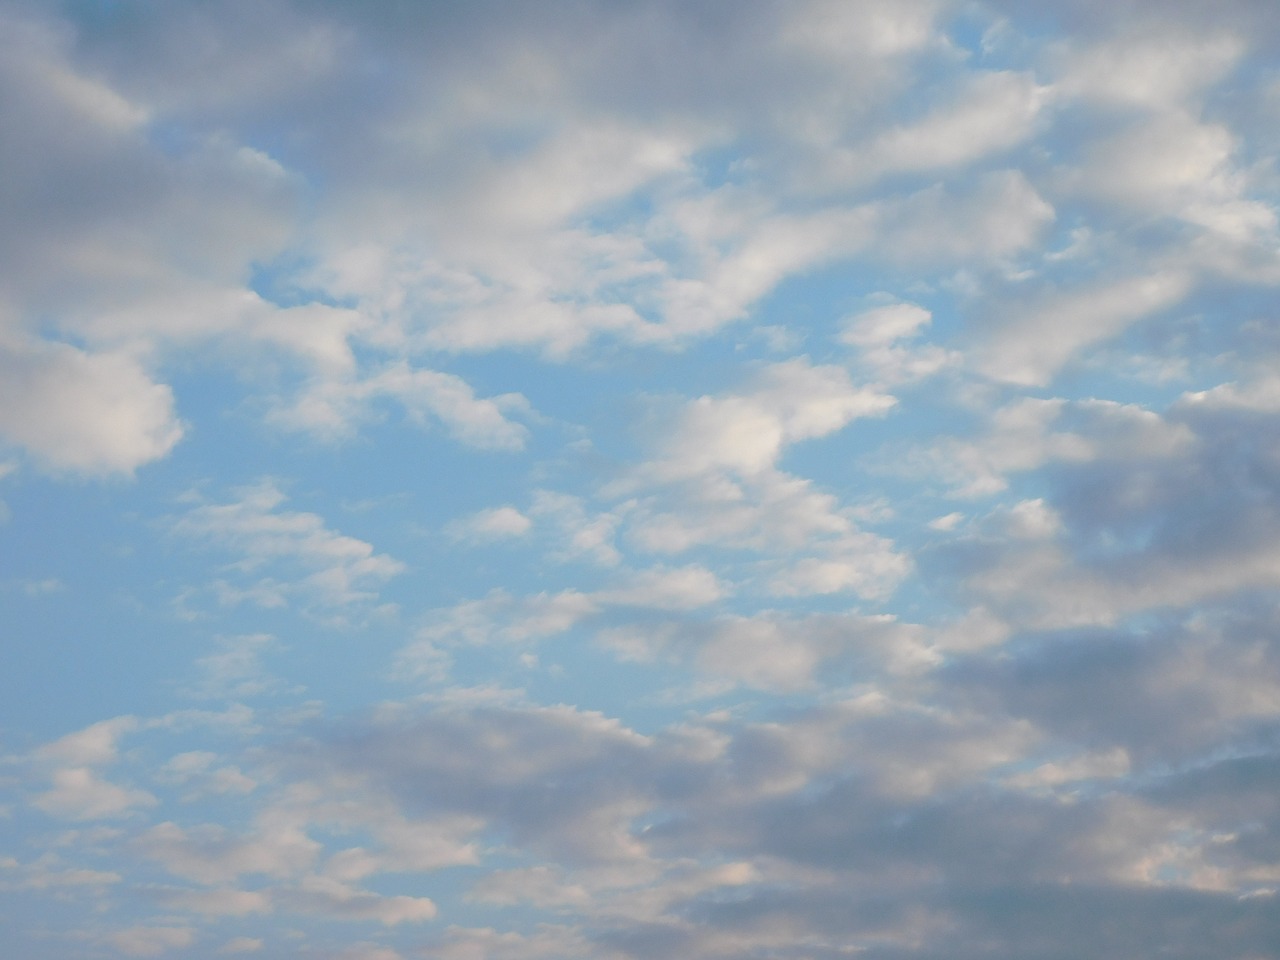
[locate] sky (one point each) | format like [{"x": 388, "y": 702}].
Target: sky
[{"x": 628, "y": 481}]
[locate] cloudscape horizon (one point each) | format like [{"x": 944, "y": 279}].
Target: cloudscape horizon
[{"x": 639, "y": 481}]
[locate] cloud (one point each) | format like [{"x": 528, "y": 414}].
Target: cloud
[
  {"x": 550, "y": 940},
  {"x": 584, "y": 534},
  {"x": 786, "y": 279},
  {"x": 659, "y": 588},
  {"x": 50, "y": 872},
  {"x": 335, "y": 407},
  {"x": 1021, "y": 437},
  {"x": 78, "y": 790},
  {"x": 242, "y": 945},
  {"x": 493, "y": 524},
  {"x": 746, "y": 433},
  {"x": 95, "y": 744},
  {"x": 329, "y": 569},
  {"x": 1160, "y": 71},
  {"x": 883, "y": 336},
  {"x": 195, "y": 769},
  {"x": 1050, "y": 334},
  {"x": 216, "y": 903},
  {"x": 235, "y": 671},
  {"x": 211, "y": 854},
  {"x": 501, "y": 617},
  {"x": 533, "y": 771},
  {"x": 331, "y": 898},
  {"x": 142, "y": 941},
  {"x": 92, "y": 413},
  {"x": 996, "y": 111},
  {"x": 79, "y": 793}
]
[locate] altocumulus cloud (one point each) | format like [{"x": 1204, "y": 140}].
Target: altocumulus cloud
[{"x": 620, "y": 482}]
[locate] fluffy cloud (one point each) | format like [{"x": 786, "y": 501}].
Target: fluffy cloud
[
  {"x": 84, "y": 412},
  {"x": 746, "y": 433}
]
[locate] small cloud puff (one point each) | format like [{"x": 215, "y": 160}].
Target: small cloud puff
[{"x": 493, "y": 524}]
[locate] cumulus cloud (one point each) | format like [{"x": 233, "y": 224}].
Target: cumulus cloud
[
  {"x": 746, "y": 433},
  {"x": 92, "y": 413}
]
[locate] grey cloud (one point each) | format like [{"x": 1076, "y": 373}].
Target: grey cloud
[
  {"x": 1166, "y": 692},
  {"x": 554, "y": 778}
]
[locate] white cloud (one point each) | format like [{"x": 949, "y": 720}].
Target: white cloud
[
  {"x": 875, "y": 29},
  {"x": 1161, "y": 71},
  {"x": 79, "y": 793},
  {"x": 879, "y": 335},
  {"x": 994, "y": 112},
  {"x": 595, "y": 160},
  {"x": 336, "y": 570},
  {"x": 335, "y": 407},
  {"x": 715, "y": 482},
  {"x": 778, "y": 652},
  {"x": 746, "y": 433},
  {"x": 1260, "y": 394},
  {"x": 84, "y": 412},
  {"x": 881, "y": 326},
  {"x": 1033, "y": 348},
  {"x": 1030, "y": 432},
  {"x": 1176, "y": 166},
  {"x": 504, "y": 618},
  {"x": 773, "y": 512},
  {"x": 403, "y": 845},
  {"x": 494, "y": 523},
  {"x": 94, "y": 745},
  {"x": 861, "y": 562},
  {"x": 989, "y": 221},
  {"x": 1020, "y": 438},
  {"x": 585, "y": 534},
  {"x": 212, "y": 855},
  {"x": 660, "y": 588}
]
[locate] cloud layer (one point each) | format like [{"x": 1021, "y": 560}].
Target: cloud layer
[{"x": 605, "y": 482}]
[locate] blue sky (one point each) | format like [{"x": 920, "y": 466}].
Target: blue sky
[{"x": 595, "y": 481}]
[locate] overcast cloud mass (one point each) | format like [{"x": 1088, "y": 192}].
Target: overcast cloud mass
[{"x": 639, "y": 481}]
